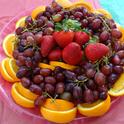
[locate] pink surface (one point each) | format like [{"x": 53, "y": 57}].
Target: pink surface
[{"x": 10, "y": 113}]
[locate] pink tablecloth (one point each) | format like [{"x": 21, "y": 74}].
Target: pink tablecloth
[{"x": 8, "y": 9}]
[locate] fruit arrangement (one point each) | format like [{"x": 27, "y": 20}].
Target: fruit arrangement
[{"x": 66, "y": 58}]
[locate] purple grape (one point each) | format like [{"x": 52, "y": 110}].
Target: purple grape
[
  {"x": 120, "y": 54},
  {"x": 21, "y": 72},
  {"x": 96, "y": 24},
  {"x": 50, "y": 24},
  {"x": 36, "y": 71},
  {"x": 48, "y": 31},
  {"x": 118, "y": 69},
  {"x": 50, "y": 80},
  {"x": 91, "y": 85},
  {"x": 102, "y": 88},
  {"x": 29, "y": 52},
  {"x": 78, "y": 15},
  {"x": 35, "y": 89},
  {"x": 19, "y": 30},
  {"x": 28, "y": 21},
  {"x": 60, "y": 77},
  {"x": 49, "y": 89},
  {"x": 84, "y": 23},
  {"x": 112, "y": 78},
  {"x": 38, "y": 79},
  {"x": 45, "y": 72},
  {"x": 60, "y": 88},
  {"x": 103, "y": 95},
  {"x": 100, "y": 78},
  {"x": 90, "y": 73},
  {"x": 116, "y": 33},
  {"x": 116, "y": 60},
  {"x": 70, "y": 75},
  {"x": 96, "y": 95},
  {"x": 25, "y": 82},
  {"x": 104, "y": 36},
  {"x": 69, "y": 87},
  {"x": 37, "y": 56},
  {"x": 38, "y": 37},
  {"x": 15, "y": 54},
  {"x": 28, "y": 62},
  {"x": 40, "y": 22},
  {"x": 106, "y": 69}
]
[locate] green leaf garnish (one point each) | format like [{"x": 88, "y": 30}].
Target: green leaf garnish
[{"x": 68, "y": 24}]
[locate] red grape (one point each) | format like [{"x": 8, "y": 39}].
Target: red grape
[
  {"x": 60, "y": 88},
  {"x": 90, "y": 73},
  {"x": 49, "y": 89},
  {"x": 25, "y": 82},
  {"x": 50, "y": 80},
  {"x": 38, "y": 79},
  {"x": 45, "y": 72},
  {"x": 106, "y": 69}
]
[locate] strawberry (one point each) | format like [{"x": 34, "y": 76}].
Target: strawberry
[
  {"x": 95, "y": 51},
  {"x": 63, "y": 38},
  {"x": 81, "y": 38},
  {"x": 55, "y": 55},
  {"x": 47, "y": 45},
  {"x": 72, "y": 53}
]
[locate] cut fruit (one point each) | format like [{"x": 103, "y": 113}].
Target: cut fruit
[
  {"x": 8, "y": 44},
  {"x": 43, "y": 65},
  {"x": 104, "y": 12},
  {"x": 95, "y": 109},
  {"x": 64, "y": 3},
  {"x": 51, "y": 111},
  {"x": 58, "y": 105},
  {"x": 62, "y": 65},
  {"x": 4, "y": 72},
  {"x": 12, "y": 68},
  {"x": 26, "y": 93},
  {"x": 36, "y": 11},
  {"x": 21, "y": 22},
  {"x": 118, "y": 87},
  {"x": 80, "y": 3},
  {"x": 120, "y": 28},
  {"x": 19, "y": 99}
]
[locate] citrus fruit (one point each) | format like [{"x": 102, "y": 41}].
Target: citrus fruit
[
  {"x": 80, "y": 3},
  {"x": 36, "y": 11},
  {"x": 4, "y": 72},
  {"x": 12, "y": 68},
  {"x": 120, "y": 28},
  {"x": 8, "y": 44},
  {"x": 43, "y": 65},
  {"x": 26, "y": 93},
  {"x": 104, "y": 12},
  {"x": 64, "y": 3},
  {"x": 118, "y": 87},
  {"x": 21, "y": 22},
  {"x": 19, "y": 99},
  {"x": 95, "y": 109},
  {"x": 51, "y": 111},
  {"x": 62, "y": 65},
  {"x": 58, "y": 105}
]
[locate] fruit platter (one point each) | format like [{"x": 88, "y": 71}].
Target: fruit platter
[{"x": 64, "y": 61}]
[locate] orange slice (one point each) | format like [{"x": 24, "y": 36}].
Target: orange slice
[
  {"x": 8, "y": 44},
  {"x": 118, "y": 87},
  {"x": 80, "y": 3},
  {"x": 64, "y": 3},
  {"x": 36, "y": 11},
  {"x": 4, "y": 72},
  {"x": 26, "y": 93},
  {"x": 58, "y": 105},
  {"x": 43, "y": 65},
  {"x": 12, "y": 68},
  {"x": 104, "y": 12},
  {"x": 95, "y": 109},
  {"x": 19, "y": 99},
  {"x": 62, "y": 65},
  {"x": 21, "y": 22},
  {"x": 64, "y": 114}
]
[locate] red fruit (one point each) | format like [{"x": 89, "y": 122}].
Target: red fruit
[
  {"x": 47, "y": 44},
  {"x": 55, "y": 55},
  {"x": 72, "y": 53},
  {"x": 95, "y": 51},
  {"x": 81, "y": 38},
  {"x": 63, "y": 38}
]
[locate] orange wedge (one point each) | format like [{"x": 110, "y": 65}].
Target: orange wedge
[
  {"x": 58, "y": 105},
  {"x": 43, "y": 65},
  {"x": 19, "y": 99},
  {"x": 95, "y": 109},
  {"x": 26, "y": 93},
  {"x": 80, "y": 3},
  {"x": 36, "y": 11},
  {"x": 104, "y": 12},
  {"x": 62, "y": 65},
  {"x": 3, "y": 70},
  {"x": 8, "y": 44},
  {"x": 21, "y": 22},
  {"x": 51, "y": 111},
  {"x": 12, "y": 68},
  {"x": 120, "y": 28},
  {"x": 118, "y": 87},
  {"x": 64, "y": 3}
]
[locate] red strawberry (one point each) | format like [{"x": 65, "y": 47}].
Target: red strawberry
[
  {"x": 95, "y": 51},
  {"x": 81, "y": 38},
  {"x": 55, "y": 55},
  {"x": 72, "y": 53},
  {"x": 47, "y": 44},
  {"x": 63, "y": 38}
]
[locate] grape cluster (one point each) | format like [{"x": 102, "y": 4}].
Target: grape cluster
[{"x": 85, "y": 83}]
